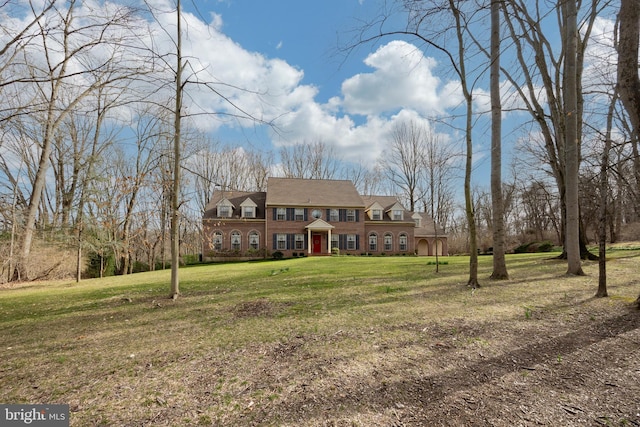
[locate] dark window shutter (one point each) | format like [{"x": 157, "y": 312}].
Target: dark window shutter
[
  {"x": 275, "y": 240},
  {"x": 357, "y": 215},
  {"x": 275, "y": 214},
  {"x": 357, "y": 239},
  {"x": 306, "y": 214},
  {"x": 328, "y": 217}
]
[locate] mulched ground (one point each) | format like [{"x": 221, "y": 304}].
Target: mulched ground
[{"x": 579, "y": 366}]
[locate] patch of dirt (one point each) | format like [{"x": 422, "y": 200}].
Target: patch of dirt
[
  {"x": 551, "y": 370},
  {"x": 257, "y": 308}
]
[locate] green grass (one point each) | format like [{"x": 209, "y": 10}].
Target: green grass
[{"x": 106, "y": 344}]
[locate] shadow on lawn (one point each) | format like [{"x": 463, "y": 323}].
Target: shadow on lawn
[{"x": 424, "y": 397}]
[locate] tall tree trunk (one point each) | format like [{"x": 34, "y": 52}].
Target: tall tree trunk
[
  {"x": 175, "y": 194},
  {"x": 572, "y": 238},
  {"x": 604, "y": 191},
  {"x": 628, "y": 78},
  {"x": 469, "y": 209},
  {"x": 497, "y": 202}
]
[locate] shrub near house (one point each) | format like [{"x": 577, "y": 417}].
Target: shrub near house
[{"x": 311, "y": 218}]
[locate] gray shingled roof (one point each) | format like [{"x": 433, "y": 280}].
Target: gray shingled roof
[{"x": 312, "y": 192}]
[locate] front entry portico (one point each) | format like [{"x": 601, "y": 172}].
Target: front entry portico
[{"x": 315, "y": 233}]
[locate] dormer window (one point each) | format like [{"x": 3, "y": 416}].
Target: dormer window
[
  {"x": 417, "y": 218},
  {"x": 397, "y": 215},
  {"x": 375, "y": 212},
  {"x": 248, "y": 208},
  {"x": 225, "y": 208},
  {"x": 224, "y": 211}
]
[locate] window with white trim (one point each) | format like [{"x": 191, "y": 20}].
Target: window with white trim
[
  {"x": 397, "y": 215},
  {"x": 351, "y": 241},
  {"x": 351, "y": 215},
  {"x": 254, "y": 240},
  {"x": 281, "y": 241},
  {"x": 281, "y": 214},
  {"x": 388, "y": 242},
  {"x": 334, "y": 215},
  {"x": 299, "y": 241},
  {"x": 335, "y": 241},
  {"x": 373, "y": 242},
  {"x": 376, "y": 214},
  {"x": 248, "y": 212},
  {"x": 299, "y": 214},
  {"x": 217, "y": 241},
  {"x": 235, "y": 241},
  {"x": 402, "y": 240},
  {"x": 224, "y": 211}
]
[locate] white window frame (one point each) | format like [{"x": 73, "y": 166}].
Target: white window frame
[
  {"x": 403, "y": 242},
  {"x": 254, "y": 240},
  {"x": 281, "y": 214},
  {"x": 248, "y": 212},
  {"x": 373, "y": 242},
  {"x": 388, "y": 242},
  {"x": 335, "y": 241},
  {"x": 334, "y": 215},
  {"x": 216, "y": 241},
  {"x": 236, "y": 241},
  {"x": 298, "y": 214},
  {"x": 351, "y": 215},
  {"x": 281, "y": 242},
  {"x": 376, "y": 214},
  {"x": 351, "y": 242},
  {"x": 224, "y": 211},
  {"x": 299, "y": 242},
  {"x": 397, "y": 215}
]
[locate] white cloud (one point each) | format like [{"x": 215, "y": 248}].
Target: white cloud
[
  {"x": 228, "y": 80},
  {"x": 402, "y": 78}
]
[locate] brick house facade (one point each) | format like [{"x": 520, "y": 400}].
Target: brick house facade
[{"x": 304, "y": 217}]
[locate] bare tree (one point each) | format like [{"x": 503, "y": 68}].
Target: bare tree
[
  {"x": 150, "y": 132},
  {"x": 628, "y": 78},
  {"x": 499, "y": 260},
  {"x": 604, "y": 184},
  {"x": 572, "y": 141},
  {"x": 367, "y": 180},
  {"x": 260, "y": 166},
  {"x": 404, "y": 162},
  {"x": 460, "y": 28},
  {"x": 443, "y": 26},
  {"x": 541, "y": 87},
  {"x": 310, "y": 160},
  {"x": 69, "y": 39},
  {"x": 179, "y": 74}
]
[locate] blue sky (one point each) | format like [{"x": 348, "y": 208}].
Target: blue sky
[
  {"x": 284, "y": 53},
  {"x": 289, "y": 51}
]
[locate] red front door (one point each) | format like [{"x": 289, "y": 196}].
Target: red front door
[{"x": 317, "y": 243}]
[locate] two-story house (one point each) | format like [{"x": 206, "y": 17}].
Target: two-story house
[{"x": 305, "y": 217}]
